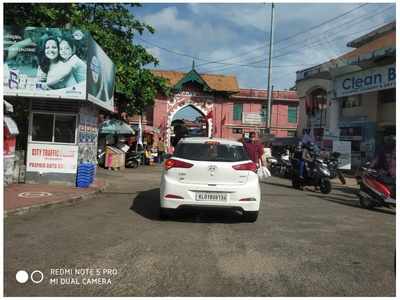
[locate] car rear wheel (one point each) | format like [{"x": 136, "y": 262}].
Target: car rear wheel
[
  {"x": 250, "y": 216},
  {"x": 165, "y": 213}
]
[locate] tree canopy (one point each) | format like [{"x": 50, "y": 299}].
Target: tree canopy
[{"x": 113, "y": 27}]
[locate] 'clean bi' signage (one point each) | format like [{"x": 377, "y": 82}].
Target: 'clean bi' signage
[{"x": 374, "y": 79}]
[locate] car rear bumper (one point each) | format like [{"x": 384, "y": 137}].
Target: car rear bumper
[{"x": 188, "y": 191}]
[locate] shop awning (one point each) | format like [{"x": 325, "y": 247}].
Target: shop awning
[
  {"x": 11, "y": 125},
  {"x": 115, "y": 127}
]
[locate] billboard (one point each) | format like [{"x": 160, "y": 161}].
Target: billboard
[
  {"x": 374, "y": 79},
  {"x": 101, "y": 77},
  {"x": 45, "y": 62},
  {"x": 344, "y": 148},
  {"x": 50, "y": 158}
]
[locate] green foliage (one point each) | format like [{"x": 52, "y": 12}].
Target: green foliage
[{"x": 113, "y": 27}]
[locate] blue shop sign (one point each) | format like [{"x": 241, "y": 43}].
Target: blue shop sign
[{"x": 373, "y": 79}]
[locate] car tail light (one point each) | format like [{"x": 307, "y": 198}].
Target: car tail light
[
  {"x": 173, "y": 196},
  {"x": 174, "y": 163},
  {"x": 246, "y": 167}
]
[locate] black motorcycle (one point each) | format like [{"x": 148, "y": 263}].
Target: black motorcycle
[
  {"x": 281, "y": 166},
  {"x": 317, "y": 175},
  {"x": 333, "y": 166}
]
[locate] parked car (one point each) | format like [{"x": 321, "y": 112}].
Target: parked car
[{"x": 213, "y": 173}]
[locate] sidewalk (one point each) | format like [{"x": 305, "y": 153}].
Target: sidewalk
[{"x": 23, "y": 198}]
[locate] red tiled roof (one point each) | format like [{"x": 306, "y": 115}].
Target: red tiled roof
[{"x": 220, "y": 83}]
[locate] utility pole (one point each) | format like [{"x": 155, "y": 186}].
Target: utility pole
[{"x": 271, "y": 41}]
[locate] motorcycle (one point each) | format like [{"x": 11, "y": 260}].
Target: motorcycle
[
  {"x": 101, "y": 157},
  {"x": 132, "y": 158},
  {"x": 282, "y": 166},
  {"x": 333, "y": 166},
  {"x": 318, "y": 175},
  {"x": 375, "y": 191}
]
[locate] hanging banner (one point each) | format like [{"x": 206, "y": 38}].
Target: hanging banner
[
  {"x": 45, "y": 62},
  {"x": 369, "y": 80},
  {"x": 50, "y": 158},
  {"x": 101, "y": 77}
]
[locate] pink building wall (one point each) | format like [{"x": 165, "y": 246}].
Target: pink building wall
[{"x": 222, "y": 113}]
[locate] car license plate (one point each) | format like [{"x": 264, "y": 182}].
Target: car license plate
[{"x": 209, "y": 196}]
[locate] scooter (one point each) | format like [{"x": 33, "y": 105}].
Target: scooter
[
  {"x": 374, "y": 191},
  {"x": 317, "y": 176},
  {"x": 333, "y": 166},
  {"x": 282, "y": 166}
]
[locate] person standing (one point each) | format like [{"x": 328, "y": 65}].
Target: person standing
[
  {"x": 161, "y": 151},
  {"x": 254, "y": 149}
]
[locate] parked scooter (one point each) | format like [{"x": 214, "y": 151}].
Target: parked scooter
[
  {"x": 333, "y": 166},
  {"x": 282, "y": 166},
  {"x": 374, "y": 190},
  {"x": 318, "y": 175},
  {"x": 132, "y": 158},
  {"x": 101, "y": 157}
]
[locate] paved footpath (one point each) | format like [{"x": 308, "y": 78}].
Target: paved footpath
[
  {"x": 303, "y": 244},
  {"x": 24, "y": 198}
]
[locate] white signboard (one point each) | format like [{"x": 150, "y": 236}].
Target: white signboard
[
  {"x": 252, "y": 118},
  {"x": 344, "y": 148},
  {"x": 48, "y": 158},
  {"x": 369, "y": 80}
]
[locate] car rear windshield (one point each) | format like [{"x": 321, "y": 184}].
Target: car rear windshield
[{"x": 211, "y": 152}]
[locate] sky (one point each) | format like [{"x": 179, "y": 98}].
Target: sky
[{"x": 232, "y": 39}]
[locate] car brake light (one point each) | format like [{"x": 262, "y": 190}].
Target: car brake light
[
  {"x": 246, "y": 167},
  {"x": 173, "y": 196},
  {"x": 174, "y": 163}
]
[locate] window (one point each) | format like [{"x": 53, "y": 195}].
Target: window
[
  {"x": 352, "y": 101},
  {"x": 237, "y": 111},
  {"x": 42, "y": 127},
  {"x": 291, "y": 133},
  {"x": 292, "y": 113},
  {"x": 387, "y": 96},
  {"x": 237, "y": 130},
  {"x": 51, "y": 127},
  {"x": 264, "y": 112},
  {"x": 211, "y": 152},
  {"x": 64, "y": 129}
]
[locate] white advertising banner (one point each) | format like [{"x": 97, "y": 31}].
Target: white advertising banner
[
  {"x": 344, "y": 148},
  {"x": 48, "y": 158},
  {"x": 252, "y": 118},
  {"x": 369, "y": 80}
]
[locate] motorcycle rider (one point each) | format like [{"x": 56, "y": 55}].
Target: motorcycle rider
[
  {"x": 385, "y": 161},
  {"x": 306, "y": 158}
]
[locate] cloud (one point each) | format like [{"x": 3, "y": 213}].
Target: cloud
[
  {"x": 167, "y": 19},
  {"x": 221, "y": 31}
]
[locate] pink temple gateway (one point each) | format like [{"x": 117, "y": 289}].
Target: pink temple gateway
[{"x": 226, "y": 110}]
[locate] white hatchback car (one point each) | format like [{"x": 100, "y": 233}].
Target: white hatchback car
[{"x": 210, "y": 172}]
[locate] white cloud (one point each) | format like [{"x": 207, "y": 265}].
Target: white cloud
[
  {"x": 221, "y": 31},
  {"x": 167, "y": 19}
]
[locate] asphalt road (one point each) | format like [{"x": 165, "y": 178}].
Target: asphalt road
[{"x": 303, "y": 244}]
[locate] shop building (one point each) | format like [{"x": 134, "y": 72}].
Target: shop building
[
  {"x": 352, "y": 98},
  {"x": 228, "y": 111},
  {"x": 66, "y": 83}
]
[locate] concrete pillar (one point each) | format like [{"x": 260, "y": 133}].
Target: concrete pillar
[{"x": 333, "y": 117}]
